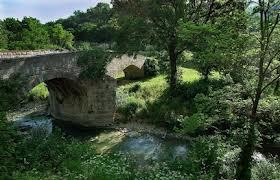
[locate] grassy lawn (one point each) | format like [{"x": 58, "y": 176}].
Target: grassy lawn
[
  {"x": 153, "y": 88},
  {"x": 39, "y": 92},
  {"x": 147, "y": 99}
]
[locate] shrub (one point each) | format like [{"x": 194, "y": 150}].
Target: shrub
[
  {"x": 269, "y": 118},
  {"x": 8, "y": 139},
  {"x": 10, "y": 93},
  {"x": 164, "y": 111},
  {"x": 131, "y": 107},
  {"x": 93, "y": 62},
  {"x": 134, "y": 88},
  {"x": 220, "y": 110},
  {"x": 266, "y": 170},
  {"x": 204, "y": 158},
  {"x": 151, "y": 67},
  {"x": 189, "y": 90},
  {"x": 83, "y": 46},
  {"x": 190, "y": 125},
  {"x": 39, "y": 93}
]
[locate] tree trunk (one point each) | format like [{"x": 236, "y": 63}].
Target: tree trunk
[
  {"x": 244, "y": 164},
  {"x": 173, "y": 68},
  {"x": 206, "y": 74}
]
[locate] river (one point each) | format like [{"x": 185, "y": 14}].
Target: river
[{"x": 145, "y": 147}]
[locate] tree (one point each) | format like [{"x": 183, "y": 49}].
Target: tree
[
  {"x": 28, "y": 34},
  {"x": 216, "y": 46},
  {"x": 14, "y": 29},
  {"x": 61, "y": 37},
  {"x": 3, "y": 36},
  {"x": 94, "y": 25},
  {"x": 267, "y": 60},
  {"x": 86, "y": 31},
  {"x": 34, "y": 35},
  {"x": 158, "y": 23}
]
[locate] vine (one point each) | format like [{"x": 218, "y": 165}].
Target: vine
[{"x": 93, "y": 63}]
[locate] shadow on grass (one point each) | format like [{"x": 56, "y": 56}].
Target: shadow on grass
[
  {"x": 171, "y": 104},
  {"x": 122, "y": 81},
  {"x": 103, "y": 140}
]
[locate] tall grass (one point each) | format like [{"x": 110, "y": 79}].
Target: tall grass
[
  {"x": 39, "y": 93},
  {"x": 156, "y": 105}
]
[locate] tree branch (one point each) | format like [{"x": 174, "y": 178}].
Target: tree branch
[
  {"x": 271, "y": 82},
  {"x": 274, "y": 69},
  {"x": 271, "y": 60},
  {"x": 274, "y": 26}
]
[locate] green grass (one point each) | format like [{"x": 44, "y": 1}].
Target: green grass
[
  {"x": 40, "y": 92},
  {"x": 189, "y": 75},
  {"x": 155, "y": 87},
  {"x": 157, "y": 107}
]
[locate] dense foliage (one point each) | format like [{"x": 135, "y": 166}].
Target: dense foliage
[
  {"x": 93, "y": 62},
  {"x": 221, "y": 59},
  {"x": 30, "y": 34},
  {"x": 178, "y": 26},
  {"x": 96, "y": 25}
]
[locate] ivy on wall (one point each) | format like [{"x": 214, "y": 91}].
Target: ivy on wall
[
  {"x": 10, "y": 93},
  {"x": 93, "y": 63}
]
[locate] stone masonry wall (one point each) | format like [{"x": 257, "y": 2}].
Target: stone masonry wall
[
  {"x": 22, "y": 54},
  {"x": 119, "y": 64},
  {"x": 85, "y": 102}
]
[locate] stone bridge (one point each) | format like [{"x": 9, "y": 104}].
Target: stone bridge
[{"x": 81, "y": 101}]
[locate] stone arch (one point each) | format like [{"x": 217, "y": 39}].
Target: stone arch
[
  {"x": 133, "y": 72},
  {"x": 132, "y": 66},
  {"x": 86, "y": 102},
  {"x": 32, "y": 81}
]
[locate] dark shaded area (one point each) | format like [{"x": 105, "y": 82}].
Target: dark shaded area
[{"x": 66, "y": 87}]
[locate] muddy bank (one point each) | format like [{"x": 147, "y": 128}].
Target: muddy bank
[{"x": 29, "y": 109}]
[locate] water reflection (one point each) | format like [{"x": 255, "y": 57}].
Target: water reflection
[
  {"x": 142, "y": 146},
  {"x": 35, "y": 123}
]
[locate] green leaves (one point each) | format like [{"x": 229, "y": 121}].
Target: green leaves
[
  {"x": 3, "y": 36},
  {"x": 191, "y": 124},
  {"x": 93, "y": 63},
  {"x": 96, "y": 25},
  {"x": 61, "y": 37},
  {"x": 30, "y": 34}
]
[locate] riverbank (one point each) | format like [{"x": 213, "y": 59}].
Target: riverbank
[
  {"x": 41, "y": 109},
  {"x": 28, "y": 109}
]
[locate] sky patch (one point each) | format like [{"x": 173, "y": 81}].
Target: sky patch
[{"x": 44, "y": 10}]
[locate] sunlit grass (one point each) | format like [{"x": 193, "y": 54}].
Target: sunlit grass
[
  {"x": 153, "y": 96},
  {"x": 120, "y": 75},
  {"x": 40, "y": 92},
  {"x": 153, "y": 88},
  {"x": 107, "y": 141},
  {"x": 189, "y": 75}
]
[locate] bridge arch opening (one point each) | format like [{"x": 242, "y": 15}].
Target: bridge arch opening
[
  {"x": 89, "y": 103},
  {"x": 133, "y": 72},
  {"x": 59, "y": 92}
]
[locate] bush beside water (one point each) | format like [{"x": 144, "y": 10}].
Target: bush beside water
[
  {"x": 61, "y": 157},
  {"x": 39, "y": 93}
]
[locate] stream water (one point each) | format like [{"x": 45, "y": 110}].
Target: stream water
[{"x": 144, "y": 147}]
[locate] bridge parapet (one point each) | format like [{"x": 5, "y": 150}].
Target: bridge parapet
[{"x": 29, "y": 53}]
